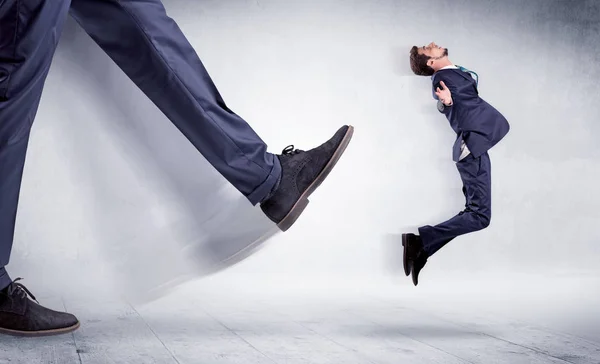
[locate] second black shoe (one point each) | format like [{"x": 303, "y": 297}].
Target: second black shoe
[
  {"x": 417, "y": 264},
  {"x": 301, "y": 173},
  {"x": 412, "y": 245}
]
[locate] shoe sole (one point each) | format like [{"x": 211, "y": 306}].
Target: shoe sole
[
  {"x": 54, "y": 332},
  {"x": 302, "y": 202},
  {"x": 405, "y": 262}
]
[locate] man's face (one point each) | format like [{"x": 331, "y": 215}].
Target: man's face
[{"x": 434, "y": 51}]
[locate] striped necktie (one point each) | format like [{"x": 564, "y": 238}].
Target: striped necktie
[{"x": 472, "y": 73}]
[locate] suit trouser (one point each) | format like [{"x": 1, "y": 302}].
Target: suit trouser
[
  {"x": 150, "y": 48},
  {"x": 477, "y": 188}
]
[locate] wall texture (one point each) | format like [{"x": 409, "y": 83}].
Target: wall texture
[{"x": 113, "y": 193}]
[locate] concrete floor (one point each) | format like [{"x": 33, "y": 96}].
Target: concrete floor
[{"x": 205, "y": 324}]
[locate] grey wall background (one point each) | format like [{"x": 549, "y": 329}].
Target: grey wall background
[{"x": 113, "y": 193}]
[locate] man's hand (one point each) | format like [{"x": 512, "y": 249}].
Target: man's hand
[{"x": 444, "y": 94}]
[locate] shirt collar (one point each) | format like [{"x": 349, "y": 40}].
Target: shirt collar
[{"x": 444, "y": 68}]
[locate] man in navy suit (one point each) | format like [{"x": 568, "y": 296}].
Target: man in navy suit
[
  {"x": 149, "y": 47},
  {"x": 478, "y": 126}
]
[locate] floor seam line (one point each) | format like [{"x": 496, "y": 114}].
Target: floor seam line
[
  {"x": 238, "y": 336},
  {"x": 72, "y": 335},
  {"x": 154, "y": 333}
]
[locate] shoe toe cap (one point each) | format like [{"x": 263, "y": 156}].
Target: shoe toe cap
[{"x": 42, "y": 318}]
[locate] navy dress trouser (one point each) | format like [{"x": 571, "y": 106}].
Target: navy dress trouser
[
  {"x": 477, "y": 188},
  {"x": 149, "y": 47}
]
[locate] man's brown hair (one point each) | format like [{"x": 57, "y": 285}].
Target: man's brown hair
[{"x": 418, "y": 63}]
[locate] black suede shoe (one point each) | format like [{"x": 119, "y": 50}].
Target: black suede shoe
[
  {"x": 20, "y": 316},
  {"x": 301, "y": 173},
  {"x": 412, "y": 245}
]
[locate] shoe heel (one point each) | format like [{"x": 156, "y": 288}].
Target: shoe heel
[
  {"x": 405, "y": 262},
  {"x": 293, "y": 215}
]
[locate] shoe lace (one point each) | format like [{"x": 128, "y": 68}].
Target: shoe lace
[
  {"x": 19, "y": 290},
  {"x": 289, "y": 150}
]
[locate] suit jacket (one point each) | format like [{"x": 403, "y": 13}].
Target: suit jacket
[{"x": 475, "y": 121}]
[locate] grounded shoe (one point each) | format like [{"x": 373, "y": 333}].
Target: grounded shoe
[
  {"x": 301, "y": 173},
  {"x": 20, "y": 316},
  {"x": 412, "y": 245}
]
